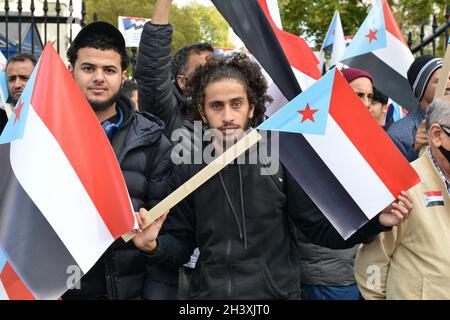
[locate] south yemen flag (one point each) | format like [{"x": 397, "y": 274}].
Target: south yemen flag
[
  {"x": 63, "y": 197},
  {"x": 339, "y": 154},
  {"x": 380, "y": 48}
]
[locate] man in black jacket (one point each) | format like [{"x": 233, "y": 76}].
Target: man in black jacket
[
  {"x": 98, "y": 62},
  {"x": 3, "y": 119},
  {"x": 162, "y": 80},
  {"x": 239, "y": 218}
]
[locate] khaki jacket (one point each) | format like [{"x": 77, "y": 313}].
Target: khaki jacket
[{"x": 412, "y": 261}]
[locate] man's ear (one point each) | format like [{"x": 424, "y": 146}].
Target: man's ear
[
  {"x": 124, "y": 76},
  {"x": 181, "y": 81},
  {"x": 251, "y": 111},
  {"x": 70, "y": 68},
  {"x": 434, "y": 135}
]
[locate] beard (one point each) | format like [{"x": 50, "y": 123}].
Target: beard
[{"x": 103, "y": 105}]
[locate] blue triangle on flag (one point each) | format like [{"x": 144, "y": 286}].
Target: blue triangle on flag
[
  {"x": 371, "y": 35},
  {"x": 307, "y": 113},
  {"x": 329, "y": 38},
  {"x": 3, "y": 80}
]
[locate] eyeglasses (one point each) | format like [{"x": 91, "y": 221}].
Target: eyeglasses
[{"x": 445, "y": 128}]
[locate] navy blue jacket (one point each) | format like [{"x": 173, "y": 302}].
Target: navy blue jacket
[{"x": 403, "y": 133}]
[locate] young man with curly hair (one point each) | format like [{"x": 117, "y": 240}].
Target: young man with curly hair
[{"x": 240, "y": 218}]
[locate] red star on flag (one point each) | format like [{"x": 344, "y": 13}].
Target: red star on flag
[
  {"x": 3, "y": 66},
  {"x": 372, "y": 35},
  {"x": 308, "y": 113},
  {"x": 17, "y": 111}
]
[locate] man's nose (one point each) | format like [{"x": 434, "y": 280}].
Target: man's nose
[
  {"x": 18, "y": 83},
  {"x": 366, "y": 100},
  {"x": 99, "y": 75},
  {"x": 228, "y": 114}
]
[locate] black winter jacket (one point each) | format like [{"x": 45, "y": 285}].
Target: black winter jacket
[
  {"x": 157, "y": 92},
  {"x": 240, "y": 220},
  {"x": 3, "y": 120},
  {"x": 143, "y": 154}
]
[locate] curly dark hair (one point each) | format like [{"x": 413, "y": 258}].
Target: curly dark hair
[{"x": 236, "y": 66}]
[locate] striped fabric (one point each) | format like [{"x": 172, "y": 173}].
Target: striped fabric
[
  {"x": 356, "y": 165},
  {"x": 64, "y": 180},
  {"x": 380, "y": 48}
]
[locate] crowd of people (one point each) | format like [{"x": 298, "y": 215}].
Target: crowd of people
[{"x": 244, "y": 235}]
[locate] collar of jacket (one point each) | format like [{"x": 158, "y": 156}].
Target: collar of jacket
[
  {"x": 431, "y": 169},
  {"x": 438, "y": 169}
]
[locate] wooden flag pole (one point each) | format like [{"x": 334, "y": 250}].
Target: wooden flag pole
[
  {"x": 200, "y": 178},
  {"x": 442, "y": 84}
]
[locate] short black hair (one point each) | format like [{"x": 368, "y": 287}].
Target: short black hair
[
  {"x": 98, "y": 41},
  {"x": 180, "y": 58},
  {"x": 378, "y": 96},
  {"x": 128, "y": 87},
  {"x": 236, "y": 66},
  {"x": 20, "y": 57}
]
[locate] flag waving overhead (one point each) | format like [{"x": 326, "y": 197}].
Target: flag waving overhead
[
  {"x": 350, "y": 167},
  {"x": 302, "y": 59},
  {"x": 260, "y": 39},
  {"x": 335, "y": 40},
  {"x": 64, "y": 200},
  {"x": 379, "y": 48},
  {"x": 264, "y": 40}
]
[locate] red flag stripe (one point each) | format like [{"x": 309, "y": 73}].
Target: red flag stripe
[
  {"x": 391, "y": 24},
  {"x": 76, "y": 128},
  {"x": 433, "y": 194},
  {"x": 14, "y": 286},
  {"x": 297, "y": 51},
  {"x": 390, "y": 168}
]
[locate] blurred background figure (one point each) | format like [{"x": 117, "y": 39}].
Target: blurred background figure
[
  {"x": 379, "y": 107},
  {"x": 130, "y": 90}
]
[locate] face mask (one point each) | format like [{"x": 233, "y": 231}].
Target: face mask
[{"x": 445, "y": 153}]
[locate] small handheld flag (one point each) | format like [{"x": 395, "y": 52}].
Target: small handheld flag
[
  {"x": 347, "y": 164},
  {"x": 335, "y": 40},
  {"x": 380, "y": 49},
  {"x": 63, "y": 180}
]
